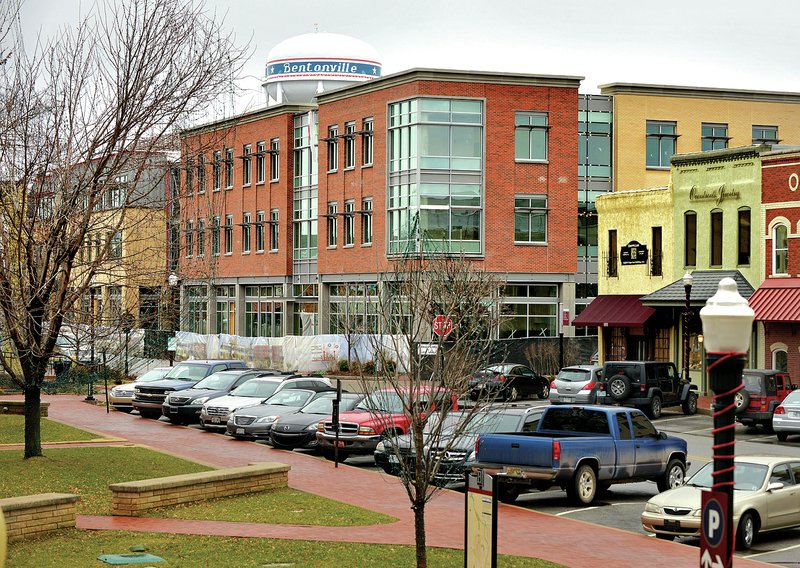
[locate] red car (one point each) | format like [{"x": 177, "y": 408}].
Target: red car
[
  {"x": 382, "y": 414},
  {"x": 763, "y": 391}
]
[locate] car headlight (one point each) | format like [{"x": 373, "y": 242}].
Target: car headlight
[
  {"x": 201, "y": 400},
  {"x": 266, "y": 419},
  {"x": 311, "y": 428},
  {"x": 652, "y": 508},
  {"x": 136, "y": 390},
  {"x": 697, "y": 513},
  {"x": 380, "y": 447}
]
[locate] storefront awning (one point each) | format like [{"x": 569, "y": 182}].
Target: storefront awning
[
  {"x": 777, "y": 299},
  {"x": 624, "y": 310}
]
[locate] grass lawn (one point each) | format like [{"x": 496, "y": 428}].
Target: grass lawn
[
  {"x": 12, "y": 431},
  {"x": 81, "y": 548}
]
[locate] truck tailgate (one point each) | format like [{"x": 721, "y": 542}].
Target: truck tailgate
[{"x": 527, "y": 450}]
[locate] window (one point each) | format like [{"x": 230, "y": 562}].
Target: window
[
  {"x": 273, "y": 229},
  {"x": 655, "y": 254},
  {"x": 245, "y": 233},
  {"x": 528, "y": 310},
  {"x": 642, "y": 427},
  {"x": 612, "y": 252},
  {"x": 215, "y": 236},
  {"x": 260, "y": 231},
  {"x": 261, "y": 150},
  {"x": 716, "y": 238},
  {"x": 765, "y": 135},
  {"x": 366, "y": 221},
  {"x": 744, "y": 237},
  {"x": 690, "y": 238},
  {"x": 228, "y": 234},
  {"x": 189, "y": 238},
  {"x": 217, "y": 171},
  {"x": 594, "y": 143},
  {"x": 190, "y": 171},
  {"x": 247, "y": 163},
  {"x": 201, "y": 237},
  {"x": 780, "y": 250},
  {"x": 530, "y": 136},
  {"x": 349, "y": 145},
  {"x": 201, "y": 174},
  {"x": 367, "y": 142},
  {"x": 332, "y": 237},
  {"x": 349, "y": 223},
  {"x": 661, "y": 139},
  {"x": 333, "y": 148},
  {"x": 228, "y": 168},
  {"x": 115, "y": 245},
  {"x": 530, "y": 219},
  {"x": 274, "y": 159},
  {"x": 263, "y": 308},
  {"x": 226, "y": 309},
  {"x": 714, "y": 136},
  {"x": 780, "y": 362},
  {"x": 353, "y": 307}
]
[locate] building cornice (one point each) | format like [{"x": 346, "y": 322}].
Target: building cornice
[
  {"x": 447, "y": 75},
  {"x": 723, "y": 155},
  {"x": 699, "y": 93},
  {"x": 251, "y": 116}
]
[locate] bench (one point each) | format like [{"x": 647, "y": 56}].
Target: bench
[
  {"x": 18, "y": 407},
  {"x": 133, "y": 498},
  {"x": 32, "y": 515}
]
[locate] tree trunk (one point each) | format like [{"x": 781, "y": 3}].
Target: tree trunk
[
  {"x": 419, "y": 532},
  {"x": 33, "y": 417}
]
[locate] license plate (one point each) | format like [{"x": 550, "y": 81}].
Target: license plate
[
  {"x": 568, "y": 398},
  {"x": 672, "y": 524},
  {"x": 512, "y": 471},
  {"x": 240, "y": 430},
  {"x": 215, "y": 419},
  {"x": 794, "y": 415},
  {"x": 340, "y": 444}
]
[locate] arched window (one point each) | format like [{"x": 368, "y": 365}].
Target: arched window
[
  {"x": 780, "y": 360},
  {"x": 780, "y": 250}
]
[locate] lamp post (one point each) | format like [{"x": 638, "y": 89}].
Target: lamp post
[
  {"x": 727, "y": 327},
  {"x": 173, "y": 281},
  {"x": 90, "y": 386},
  {"x": 688, "y": 280}
]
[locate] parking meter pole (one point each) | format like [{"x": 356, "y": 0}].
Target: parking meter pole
[
  {"x": 725, "y": 371},
  {"x": 336, "y": 422}
]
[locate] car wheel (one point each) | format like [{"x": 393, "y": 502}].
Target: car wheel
[
  {"x": 664, "y": 536},
  {"x": 654, "y": 410},
  {"x": 673, "y": 477},
  {"x": 513, "y": 394},
  {"x": 747, "y": 531},
  {"x": 619, "y": 387},
  {"x": 545, "y": 392},
  {"x": 741, "y": 401},
  {"x": 583, "y": 487},
  {"x": 508, "y": 492},
  {"x": 690, "y": 404},
  {"x": 782, "y": 436}
]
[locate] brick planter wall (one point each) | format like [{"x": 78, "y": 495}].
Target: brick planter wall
[
  {"x": 18, "y": 407},
  {"x": 135, "y": 497},
  {"x": 32, "y": 515}
]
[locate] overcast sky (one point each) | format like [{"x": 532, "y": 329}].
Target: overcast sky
[{"x": 715, "y": 43}]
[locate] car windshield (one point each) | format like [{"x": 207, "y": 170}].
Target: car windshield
[
  {"x": 324, "y": 405},
  {"x": 573, "y": 375},
  {"x": 746, "y": 476},
  {"x": 152, "y": 375},
  {"x": 218, "y": 381},
  {"x": 382, "y": 401},
  {"x": 187, "y": 372},
  {"x": 290, "y": 397},
  {"x": 792, "y": 398},
  {"x": 482, "y": 423},
  {"x": 256, "y": 389}
]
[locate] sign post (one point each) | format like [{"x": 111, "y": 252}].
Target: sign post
[{"x": 714, "y": 534}]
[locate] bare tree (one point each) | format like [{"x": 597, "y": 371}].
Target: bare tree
[
  {"x": 428, "y": 374},
  {"x": 83, "y": 115}
]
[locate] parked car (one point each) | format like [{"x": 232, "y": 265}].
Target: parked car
[
  {"x": 576, "y": 385},
  {"x": 184, "y": 406},
  {"x": 763, "y": 390},
  {"x": 786, "y": 418},
  {"x": 147, "y": 399},
  {"x": 256, "y": 421},
  {"x": 766, "y": 497},
  {"x": 299, "y": 429},
  {"x": 382, "y": 413},
  {"x": 454, "y": 444},
  {"x": 215, "y": 413},
  {"x": 121, "y": 396},
  {"x": 647, "y": 385},
  {"x": 508, "y": 381}
]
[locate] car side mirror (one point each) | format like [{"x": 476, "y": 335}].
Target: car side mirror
[
  {"x": 662, "y": 435},
  {"x": 774, "y": 486}
]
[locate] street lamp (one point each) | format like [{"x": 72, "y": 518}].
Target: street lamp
[
  {"x": 727, "y": 328},
  {"x": 90, "y": 386},
  {"x": 688, "y": 280},
  {"x": 173, "y": 281}
]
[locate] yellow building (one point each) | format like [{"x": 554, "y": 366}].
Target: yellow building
[{"x": 653, "y": 122}]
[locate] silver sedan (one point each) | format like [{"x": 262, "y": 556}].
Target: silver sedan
[{"x": 786, "y": 418}]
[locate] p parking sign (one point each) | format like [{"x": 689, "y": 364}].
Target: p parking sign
[{"x": 715, "y": 535}]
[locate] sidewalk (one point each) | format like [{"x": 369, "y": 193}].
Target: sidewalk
[{"x": 521, "y": 532}]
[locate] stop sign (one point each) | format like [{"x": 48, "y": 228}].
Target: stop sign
[{"x": 442, "y": 326}]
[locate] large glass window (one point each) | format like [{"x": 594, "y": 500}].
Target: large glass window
[
  {"x": 353, "y": 308},
  {"x": 661, "y": 139},
  {"x": 714, "y": 136},
  {"x": 264, "y": 310},
  {"x": 366, "y": 221},
  {"x": 261, "y": 150},
  {"x": 247, "y": 164},
  {"x": 690, "y": 238},
  {"x": 245, "y": 233},
  {"x": 367, "y": 140},
  {"x": 716, "y": 238},
  {"x": 530, "y": 136},
  {"x": 587, "y": 229},
  {"x": 744, "y": 237},
  {"x": 780, "y": 250},
  {"x": 305, "y": 228},
  {"x": 530, "y": 219},
  {"x": 594, "y": 144},
  {"x": 226, "y": 309},
  {"x": 528, "y": 310},
  {"x": 765, "y": 135},
  {"x": 349, "y": 145},
  {"x": 196, "y": 310}
]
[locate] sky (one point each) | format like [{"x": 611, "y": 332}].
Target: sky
[{"x": 736, "y": 44}]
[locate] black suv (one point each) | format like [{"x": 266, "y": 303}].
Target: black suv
[{"x": 648, "y": 385}]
